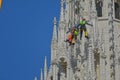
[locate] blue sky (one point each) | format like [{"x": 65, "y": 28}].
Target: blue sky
[{"x": 25, "y": 36}]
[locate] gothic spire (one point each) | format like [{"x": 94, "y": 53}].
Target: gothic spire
[
  {"x": 41, "y": 75},
  {"x": 45, "y": 69},
  {"x": 62, "y": 11},
  {"x": 54, "y": 30},
  {"x": 35, "y": 78}
]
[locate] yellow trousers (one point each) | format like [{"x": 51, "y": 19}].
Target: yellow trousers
[{"x": 86, "y": 33}]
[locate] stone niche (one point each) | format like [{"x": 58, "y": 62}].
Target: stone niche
[{"x": 63, "y": 66}]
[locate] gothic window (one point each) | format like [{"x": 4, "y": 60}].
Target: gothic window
[
  {"x": 117, "y": 9},
  {"x": 119, "y": 60},
  {"x": 58, "y": 76},
  {"x": 99, "y": 5}
]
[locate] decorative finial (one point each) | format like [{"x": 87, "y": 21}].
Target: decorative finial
[
  {"x": 41, "y": 75},
  {"x": 35, "y": 78},
  {"x": 55, "y": 21},
  {"x": 62, "y": 11},
  {"x": 45, "y": 69},
  {"x": 93, "y": 9},
  {"x": 54, "y": 30}
]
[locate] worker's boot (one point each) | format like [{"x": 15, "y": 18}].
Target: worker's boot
[{"x": 87, "y": 37}]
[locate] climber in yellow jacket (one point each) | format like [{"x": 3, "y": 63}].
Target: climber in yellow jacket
[{"x": 82, "y": 28}]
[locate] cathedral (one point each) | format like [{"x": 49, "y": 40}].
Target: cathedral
[{"x": 98, "y": 59}]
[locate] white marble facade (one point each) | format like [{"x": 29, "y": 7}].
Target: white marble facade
[{"x": 98, "y": 60}]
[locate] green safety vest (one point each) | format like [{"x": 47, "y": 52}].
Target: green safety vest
[
  {"x": 82, "y": 22},
  {"x": 76, "y": 32}
]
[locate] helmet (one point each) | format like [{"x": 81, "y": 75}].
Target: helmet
[{"x": 83, "y": 19}]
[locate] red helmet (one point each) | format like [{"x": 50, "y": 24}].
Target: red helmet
[{"x": 83, "y": 19}]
